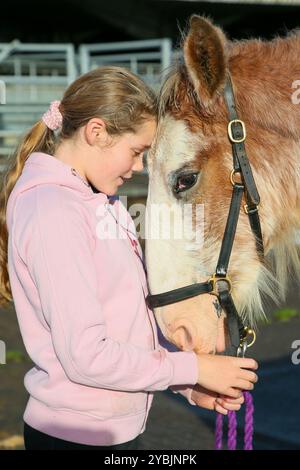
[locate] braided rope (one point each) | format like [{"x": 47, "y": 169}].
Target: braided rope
[
  {"x": 232, "y": 427},
  {"x": 219, "y": 431},
  {"x": 249, "y": 424},
  {"x": 232, "y": 430}
]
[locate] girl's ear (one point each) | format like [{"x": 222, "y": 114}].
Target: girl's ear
[{"x": 95, "y": 131}]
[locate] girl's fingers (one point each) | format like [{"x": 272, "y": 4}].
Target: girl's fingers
[
  {"x": 229, "y": 406},
  {"x": 220, "y": 409},
  {"x": 244, "y": 384},
  {"x": 248, "y": 375},
  {"x": 232, "y": 392},
  {"x": 237, "y": 401},
  {"x": 247, "y": 363}
]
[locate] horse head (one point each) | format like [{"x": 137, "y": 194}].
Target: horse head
[{"x": 190, "y": 165}]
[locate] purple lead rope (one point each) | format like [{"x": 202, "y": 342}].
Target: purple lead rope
[{"x": 232, "y": 427}]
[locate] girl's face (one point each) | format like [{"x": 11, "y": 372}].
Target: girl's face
[{"x": 107, "y": 167}]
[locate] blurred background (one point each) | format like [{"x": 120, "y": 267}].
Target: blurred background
[{"x": 44, "y": 46}]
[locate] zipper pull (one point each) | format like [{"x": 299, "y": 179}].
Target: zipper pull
[{"x": 134, "y": 244}]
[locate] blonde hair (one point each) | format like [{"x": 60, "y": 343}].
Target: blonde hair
[{"x": 113, "y": 94}]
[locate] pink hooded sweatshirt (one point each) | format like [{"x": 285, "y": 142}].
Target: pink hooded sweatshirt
[{"x": 79, "y": 294}]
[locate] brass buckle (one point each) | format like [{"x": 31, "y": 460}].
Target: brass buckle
[
  {"x": 233, "y": 172},
  {"x": 215, "y": 279},
  {"x": 236, "y": 141},
  {"x": 246, "y": 208}
]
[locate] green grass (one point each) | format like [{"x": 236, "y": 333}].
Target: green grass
[
  {"x": 285, "y": 314},
  {"x": 15, "y": 356}
]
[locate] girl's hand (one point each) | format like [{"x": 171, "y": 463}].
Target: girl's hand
[
  {"x": 226, "y": 375},
  {"x": 212, "y": 401},
  {"x": 203, "y": 397},
  {"x": 224, "y": 403}
]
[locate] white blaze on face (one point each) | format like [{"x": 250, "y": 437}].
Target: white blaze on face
[
  {"x": 172, "y": 253},
  {"x": 168, "y": 260}
]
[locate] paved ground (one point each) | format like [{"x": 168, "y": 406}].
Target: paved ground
[{"x": 173, "y": 423}]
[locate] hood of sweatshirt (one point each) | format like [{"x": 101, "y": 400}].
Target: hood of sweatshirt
[{"x": 41, "y": 168}]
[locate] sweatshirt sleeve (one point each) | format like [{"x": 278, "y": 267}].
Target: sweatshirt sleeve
[
  {"x": 184, "y": 390},
  {"x": 59, "y": 256}
]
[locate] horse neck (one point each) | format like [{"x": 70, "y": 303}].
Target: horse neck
[{"x": 263, "y": 75}]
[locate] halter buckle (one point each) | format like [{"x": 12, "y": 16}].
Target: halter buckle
[
  {"x": 251, "y": 210},
  {"x": 234, "y": 172},
  {"x": 215, "y": 279},
  {"x": 230, "y": 133}
]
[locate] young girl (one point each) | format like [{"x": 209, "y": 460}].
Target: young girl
[{"x": 78, "y": 290}]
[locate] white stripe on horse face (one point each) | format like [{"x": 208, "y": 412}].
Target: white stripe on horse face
[
  {"x": 175, "y": 146},
  {"x": 171, "y": 262}
]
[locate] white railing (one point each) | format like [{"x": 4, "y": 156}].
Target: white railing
[
  {"x": 33, "y": 75},
  {"x": 36, "y": 74},
  {"x": 148, "y": 58}
]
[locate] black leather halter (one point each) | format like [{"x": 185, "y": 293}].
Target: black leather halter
[{"x": 220, "y": 284}]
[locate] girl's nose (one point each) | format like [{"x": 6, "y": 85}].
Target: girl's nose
[{"x": 138, "y": 164}]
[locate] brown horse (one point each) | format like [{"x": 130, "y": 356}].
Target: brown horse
[{"x": 190, "y": 163}]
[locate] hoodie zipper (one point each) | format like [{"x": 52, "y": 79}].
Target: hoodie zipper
[
  {"x": 134, "y": 245},
  {"x": 74, "y": 172}
]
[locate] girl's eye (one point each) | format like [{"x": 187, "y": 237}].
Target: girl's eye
[{"x": 185, "y": 182}]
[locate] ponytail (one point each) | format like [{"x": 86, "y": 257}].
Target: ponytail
[{"x": 38, "y": 139}]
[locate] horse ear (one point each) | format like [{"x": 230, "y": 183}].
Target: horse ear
[{"x": 205, "y": 58}]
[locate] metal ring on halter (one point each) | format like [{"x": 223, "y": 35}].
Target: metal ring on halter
[
  {"x": 233, "y": 172},
  {"x": 247, "y": 210},
  {"x": 241, "y": 351},
  {"x": 249, "y": 332}
]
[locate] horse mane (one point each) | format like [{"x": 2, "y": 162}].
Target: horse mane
[{"x": 274, "y": 279}]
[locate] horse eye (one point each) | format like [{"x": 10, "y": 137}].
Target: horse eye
[{"x": 185, "y": 182}]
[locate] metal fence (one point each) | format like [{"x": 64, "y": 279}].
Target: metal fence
[
  {"x": 33, "y": 75},
  {"x": 148, "y": 59}
]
